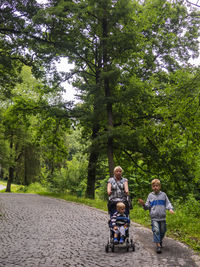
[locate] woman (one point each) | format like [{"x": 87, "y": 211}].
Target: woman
[{"x": 117, "y": 190}]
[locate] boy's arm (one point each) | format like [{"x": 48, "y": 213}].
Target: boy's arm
[
  {"x": 146, "y": 205},
  {"x": 141, "y": 202},
  {"x": 169, "y": 205}
]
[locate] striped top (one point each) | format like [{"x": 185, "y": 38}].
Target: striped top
[
  {"x": 157, "y": 204},
  {"x": 117, "y": 189},
  {"x": 119, "y": 219}
]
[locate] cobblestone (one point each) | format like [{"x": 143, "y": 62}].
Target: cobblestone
[{"x": 41, "y": 231}]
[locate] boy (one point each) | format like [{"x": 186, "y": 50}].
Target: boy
[
  {"x": 157, "y": 203},
  {"x": 119, "y": 222}
]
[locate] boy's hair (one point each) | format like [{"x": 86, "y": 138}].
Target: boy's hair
[
  {"x": 155, "y": 181},
  {"x": 120, "y": 205}
]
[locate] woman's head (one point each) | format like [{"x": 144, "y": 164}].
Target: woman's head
[{"x": 118, "y": 172}]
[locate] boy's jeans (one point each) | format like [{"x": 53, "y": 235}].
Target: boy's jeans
[{"x": 159, "y": 229}]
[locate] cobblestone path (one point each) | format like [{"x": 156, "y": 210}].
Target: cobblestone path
[{"x": 40, "y": 231}]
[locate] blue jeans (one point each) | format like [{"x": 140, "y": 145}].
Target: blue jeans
[{"x": 158, "y": 229}]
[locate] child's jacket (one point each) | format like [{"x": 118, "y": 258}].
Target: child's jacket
[
  {"x": 157, "y": 205},
  {"x": 119, "y": 219}
]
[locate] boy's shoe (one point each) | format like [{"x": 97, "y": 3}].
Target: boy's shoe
[
  {"x": 121, "y": 241},
  {"x": 115, "y": 241},
  {"x": 158, "y": 250}
]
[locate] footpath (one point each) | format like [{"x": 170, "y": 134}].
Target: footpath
[{"x": 38, "y": 231}]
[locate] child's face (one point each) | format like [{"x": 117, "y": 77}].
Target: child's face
[
  {"x": 156, "y": 188},
  {"x": 121, "y": 210}
]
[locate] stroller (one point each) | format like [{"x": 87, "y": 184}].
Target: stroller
[{"x": 128, "y": 243}]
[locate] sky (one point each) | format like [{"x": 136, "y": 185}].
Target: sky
[{"x": 63, "y": 65}]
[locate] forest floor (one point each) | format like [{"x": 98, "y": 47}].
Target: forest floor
[{"x": 43, "y": 231}]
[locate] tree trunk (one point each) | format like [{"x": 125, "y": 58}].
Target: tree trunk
[
  {"x": 11, "y": 168},
  {"x": 111, "y": 163},
  {"x": 91, "y": 178},
  {"x": 10, "y": 179},
  {"x": 108, "y": 95},
  {"x": 93, "y": 159},
  {"x": 25, "y": 167},
  {"x": 94, "y": 153},
  {"x": 1, "y": 173}
]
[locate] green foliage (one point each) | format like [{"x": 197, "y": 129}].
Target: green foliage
[
  {"x": 185, "y": 228},
  {"x": 101, "y": 191},
  {"x": 35, "y": 188},
  {"x": 139, "y": 215},
  {"x": 190, "y": 207},
  {"x": 72, "y": 178}
]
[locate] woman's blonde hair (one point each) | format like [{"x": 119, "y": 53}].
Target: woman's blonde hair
[
  {"x": 155, "y": 181},
  {"x": 118, "y": 167}
]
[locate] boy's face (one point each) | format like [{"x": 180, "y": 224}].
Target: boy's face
[
  {"x": 121, "y": 210},
  {"x": 156, "y": 188}
]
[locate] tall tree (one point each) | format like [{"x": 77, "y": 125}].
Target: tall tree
[{"x": 117, "y": 46}]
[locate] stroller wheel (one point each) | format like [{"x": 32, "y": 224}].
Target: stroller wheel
[
  {"x": 127, "y": 245},
  {"x": 132, "y": 245},
  {"x": 106, "y": 248},
  {"x": 113, "y": 248}
]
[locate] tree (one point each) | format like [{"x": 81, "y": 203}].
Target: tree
[
  {"x": 35, "y": 126},
  {"x": 93, "y": 56},
  {"x": 121, "y": 50}
]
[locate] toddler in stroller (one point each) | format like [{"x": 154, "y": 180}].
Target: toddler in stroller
[
  {"x": 119, "y": 227},
  {"x": 119, "y": 223}
]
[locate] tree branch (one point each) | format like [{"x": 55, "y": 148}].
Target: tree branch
[{"x": 193, "y": 3}]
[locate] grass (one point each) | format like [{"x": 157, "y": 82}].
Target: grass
[{"x": 183, "y": 226}]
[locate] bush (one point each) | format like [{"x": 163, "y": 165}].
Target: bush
[
  {"x": 191, "y": 206},
  {"x": 101, "y": 191},
  {"x": 71, "y": 179},
  {"x": 32, "y": 188}
]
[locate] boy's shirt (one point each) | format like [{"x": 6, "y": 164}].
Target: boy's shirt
[
  {"x": 157, "y": 205},
  {"x": 119, "y": 219}
]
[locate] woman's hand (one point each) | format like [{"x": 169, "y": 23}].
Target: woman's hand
[
  {"x": 109, "y": 191},
  {"x": 126, "y": 191}
]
